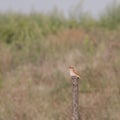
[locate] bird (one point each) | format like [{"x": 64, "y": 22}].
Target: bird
[{"x": 73, "y": 72}]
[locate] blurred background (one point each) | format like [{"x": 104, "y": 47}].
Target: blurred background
[{"x": 39, "y": 40}]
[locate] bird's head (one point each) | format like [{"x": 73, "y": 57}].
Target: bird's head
[{"x": 71, "y": 67}]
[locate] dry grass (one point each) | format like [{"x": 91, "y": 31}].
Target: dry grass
[{"x": 36, "y": 86}]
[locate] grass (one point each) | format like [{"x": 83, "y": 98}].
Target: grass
[
  {"x": 35, "y": 53},
  {"x": 36, "y": 84}
]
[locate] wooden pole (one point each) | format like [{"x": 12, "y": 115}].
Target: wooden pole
[{"x": 75, "y": 102}]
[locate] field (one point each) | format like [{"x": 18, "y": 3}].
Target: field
[{"x": 35, "y": 53}]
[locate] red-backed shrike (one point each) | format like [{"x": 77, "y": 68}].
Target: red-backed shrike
[{"x": 73, "y": 72}]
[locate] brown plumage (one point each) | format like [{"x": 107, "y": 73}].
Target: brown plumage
[{"x": 73, "y": 72}]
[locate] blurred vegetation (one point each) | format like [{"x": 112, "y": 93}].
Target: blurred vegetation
[
  {"x": 35, "y": 52},
  {"x": 19, "y": 28},
  {"x": 110, "y": 18}
]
